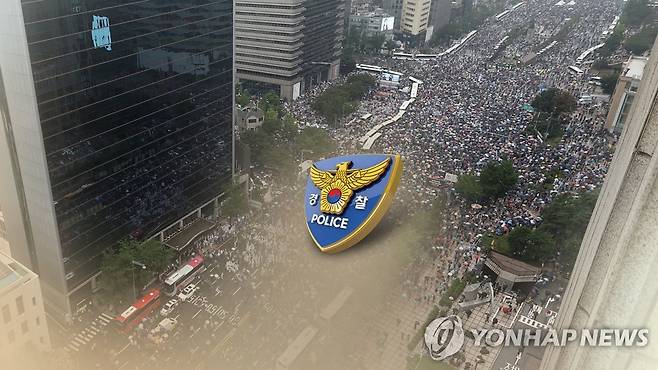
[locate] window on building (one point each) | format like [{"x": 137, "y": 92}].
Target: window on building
[
  {"x": 34, "y": 301},
  {"x": 38, "y": 321},
  {"x": 11, "y": 336},
  {"x": 24, "y": 327},
  {"x": 19, "y": 305},
  {"x": 6, "y": 315}
]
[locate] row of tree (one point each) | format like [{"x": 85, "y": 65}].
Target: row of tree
[
  {"x": 279, "y": 142},
  {"x": 558, "y": 237},
  {"x": 493, "y": 182},
  {"x": 119, "y": 270},
  {"x": 635, "y": 31}
]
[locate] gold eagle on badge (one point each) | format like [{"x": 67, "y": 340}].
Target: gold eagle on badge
[{"x": 337, "y": 187}]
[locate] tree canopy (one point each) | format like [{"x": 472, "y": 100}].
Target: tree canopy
[
  {"x": 469, "y": 187},
  {"x": 235, "y": 202},
  {"x": 566, "y": 220},
  {"x": 608, "y": 82},
  {"x": 338, "y": 101},
  {"x": 315, "y": 140},
  {"x": 532, "y": 246},
  {"x": 555, "y": 101},
  {"x": 117, "y": 267},
  {"x": 242, "y": 97},
  {"x": 636, "y": 12},
  {"x": 641, "y": 41},
  {"x": 497, "y": 179}
]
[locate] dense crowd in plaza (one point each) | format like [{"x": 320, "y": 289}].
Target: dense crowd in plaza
[{"x": 469, "y": 113}]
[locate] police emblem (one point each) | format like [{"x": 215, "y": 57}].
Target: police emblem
[{"x": 347, "y": 196}]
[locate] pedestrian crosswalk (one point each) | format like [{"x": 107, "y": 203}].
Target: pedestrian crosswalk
[
  {"x": 87, "y": 334},
  {"x": 532, "y": 323}
]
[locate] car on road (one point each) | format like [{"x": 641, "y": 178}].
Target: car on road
[
  {"x": 187, "y": 292},
  {"x": 168, "y": 324},
  {"x": 168, "y": 307}
]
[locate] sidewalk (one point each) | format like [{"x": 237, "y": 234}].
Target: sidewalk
[{"x": 401, "y": 320}]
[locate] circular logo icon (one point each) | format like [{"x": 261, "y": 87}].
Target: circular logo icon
[{"x": 444, "y": 337}]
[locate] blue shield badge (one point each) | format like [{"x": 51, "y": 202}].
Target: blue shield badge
[{"x": 347, "y": 196}]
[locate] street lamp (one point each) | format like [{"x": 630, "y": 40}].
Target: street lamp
[{"x": 137, "y": 264}]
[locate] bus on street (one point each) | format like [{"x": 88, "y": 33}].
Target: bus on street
[
  {"x": 183, "y": 276},
  {"x": 134, "y": 314}
]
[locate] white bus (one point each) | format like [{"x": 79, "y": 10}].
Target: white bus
[
  {"x": 183, "y": 275},
  {"x": 403, "y": 56},
  {"x": 367, "y": 67},
  {"x": 576, "y": 70}
]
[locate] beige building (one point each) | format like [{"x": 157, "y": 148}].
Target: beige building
[
  {"x": 288, "y": 45},
  {"x": 613, "y": 284},
  {"x": 250, "y": 117},
  {"x": 624, "y": 94},
  {"x": 23, "y": 325},
  {"x": 415, "y": 17},
  {"x": 4, "y": 244}
]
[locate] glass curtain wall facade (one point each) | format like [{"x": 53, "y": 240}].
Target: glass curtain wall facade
[
  {"x": 135, "y": 104},
  {"x": 323, "y": 36}
]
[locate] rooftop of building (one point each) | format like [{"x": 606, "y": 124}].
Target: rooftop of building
[
  {"x": 513, "y": 266},
  {"x": 635, "y": 67},
  {"x": 378, "y": 12},
  {"x": 12, "y": 272}
]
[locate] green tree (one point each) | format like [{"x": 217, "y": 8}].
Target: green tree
[
  {"x": 258, "y": 142},
  {"x": 566, "y": 220},
  {"x": 468, "y": 186},
  {"x": 496, "y": 179},
  {"x": 271, "y": 101},
  {"x": 289, "y": 128},
  {"x": 608, "y": 82},
  {"x": 154, "y": 255},
  {"x": 315, "y": 140},
  {"x": 641, "y": 41},
  {"x": 600, "y": 64},
  {"x": 533, "y": 246},
  {"x": 117, "y": 267},
  {"x": 555, "y": 101},
  {"x": 242, "y": 98},
  {"x": 235, "y": 202},
  {"x": 636, "y": 12},
  {"x": 614, "y": 41},
  {"x": 336, "y": 102}
]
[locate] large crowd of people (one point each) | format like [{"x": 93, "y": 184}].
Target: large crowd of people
[{"x": 469, "y": 113}]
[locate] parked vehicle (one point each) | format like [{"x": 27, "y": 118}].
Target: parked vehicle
[
  {"x": 187, "y": 292},
  {"x": 169, "y": 307}
]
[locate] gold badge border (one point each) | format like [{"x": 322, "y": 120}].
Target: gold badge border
[{"x": 375, "y": 216}]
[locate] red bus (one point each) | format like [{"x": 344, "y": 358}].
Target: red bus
[
  {"x": 134, "y": 314},
  {"x": 183, "y": 276}
]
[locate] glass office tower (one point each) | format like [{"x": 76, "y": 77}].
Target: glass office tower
[{"x": 118, "y": 119}]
